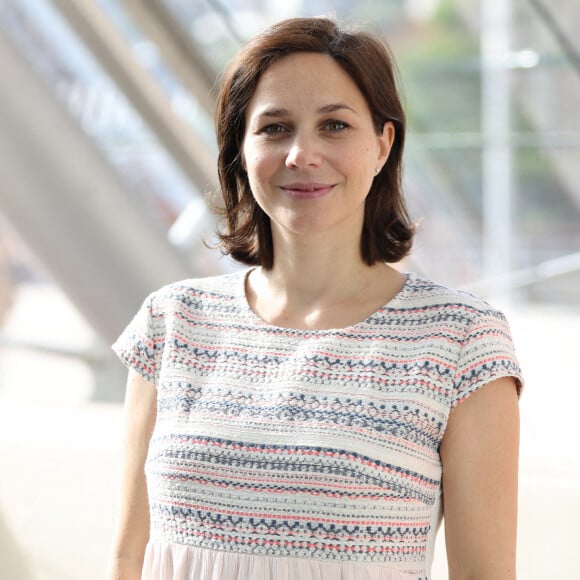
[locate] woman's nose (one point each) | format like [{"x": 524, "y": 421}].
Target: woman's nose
[{"x": 303, "y": 152}]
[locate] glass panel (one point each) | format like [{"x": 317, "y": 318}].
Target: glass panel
[
  {"x": 436, "y": 44},
  {"x": 102, "y": 111}
]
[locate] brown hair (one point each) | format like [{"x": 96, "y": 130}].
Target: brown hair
[{"x": 387, "y": 231}]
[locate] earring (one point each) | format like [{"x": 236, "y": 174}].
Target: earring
[{"x": 377, "y": 169}]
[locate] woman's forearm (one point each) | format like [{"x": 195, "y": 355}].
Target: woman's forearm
[{"x": 124, "y": 568}]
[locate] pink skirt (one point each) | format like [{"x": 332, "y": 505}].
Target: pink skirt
[{"x": 180, "y": 562}]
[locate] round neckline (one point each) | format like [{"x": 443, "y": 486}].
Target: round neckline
[{"x": 259, "y": 321}]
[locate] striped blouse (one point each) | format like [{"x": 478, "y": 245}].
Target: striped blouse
[{"x": 284, "y": 453}]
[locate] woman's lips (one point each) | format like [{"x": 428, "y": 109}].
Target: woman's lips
[{"x": 306, "y": 190}]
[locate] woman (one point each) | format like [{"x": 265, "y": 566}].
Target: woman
[{"x": 311, "y": 416}]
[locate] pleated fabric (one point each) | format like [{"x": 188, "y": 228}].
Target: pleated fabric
[{"x": 181, "y": 562}]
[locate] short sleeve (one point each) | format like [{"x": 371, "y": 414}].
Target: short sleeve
[
  {"x": 140, "y": 345},
  {"x": 487, "y": 353}
]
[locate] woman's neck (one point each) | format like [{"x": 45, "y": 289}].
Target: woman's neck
[
  {"x": 317, "y": 265},
  {"x": 319, "y": 285}
]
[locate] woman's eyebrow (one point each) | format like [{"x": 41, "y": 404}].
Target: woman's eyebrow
[
  {"x": 336, "y": 107},
  {"x": 331, "y": 108},
  {"x": 273, "y": 113}
]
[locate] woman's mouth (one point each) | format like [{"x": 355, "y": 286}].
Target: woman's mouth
[{"x": 306, "y": 190}]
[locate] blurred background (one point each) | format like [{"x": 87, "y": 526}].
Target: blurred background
[{"x": 107, "y": 151}]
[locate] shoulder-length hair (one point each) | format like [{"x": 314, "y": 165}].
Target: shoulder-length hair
[{"x": 246, "y": 232}]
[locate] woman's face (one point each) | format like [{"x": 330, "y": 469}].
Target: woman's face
[{"x": 310, "y": 148}]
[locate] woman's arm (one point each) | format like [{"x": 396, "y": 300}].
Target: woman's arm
[
  {"x": 133, "y": 525},
  {"x": 479, "y": 453}
]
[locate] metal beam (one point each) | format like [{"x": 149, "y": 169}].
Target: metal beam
[
  {"x": 525, "y": 277},
  {"x": 179, "y": 50},
  {"x": 111, "y": 50},
  {"x": 497, "y": 178},
  {"x": 69, "y": 205}
]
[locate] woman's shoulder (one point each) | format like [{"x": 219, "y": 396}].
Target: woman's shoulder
[
  {"x": 425, "y": 294},
  {"x": 226, "y": 286}
]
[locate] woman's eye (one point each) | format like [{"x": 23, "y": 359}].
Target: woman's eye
[
  {"x": 273, "y": 129},
  {"x": 335, "y": 125}
]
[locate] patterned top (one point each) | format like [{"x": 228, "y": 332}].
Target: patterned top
[{"x": 320, "y": 445}]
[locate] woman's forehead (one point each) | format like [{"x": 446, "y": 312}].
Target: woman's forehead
[{"x": 304, "y": 80}]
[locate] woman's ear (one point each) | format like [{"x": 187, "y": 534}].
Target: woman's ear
[{"x": 386, "y": 140}]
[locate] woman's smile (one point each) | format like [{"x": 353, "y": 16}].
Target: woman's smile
[{"x": 306, "y": 190}]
